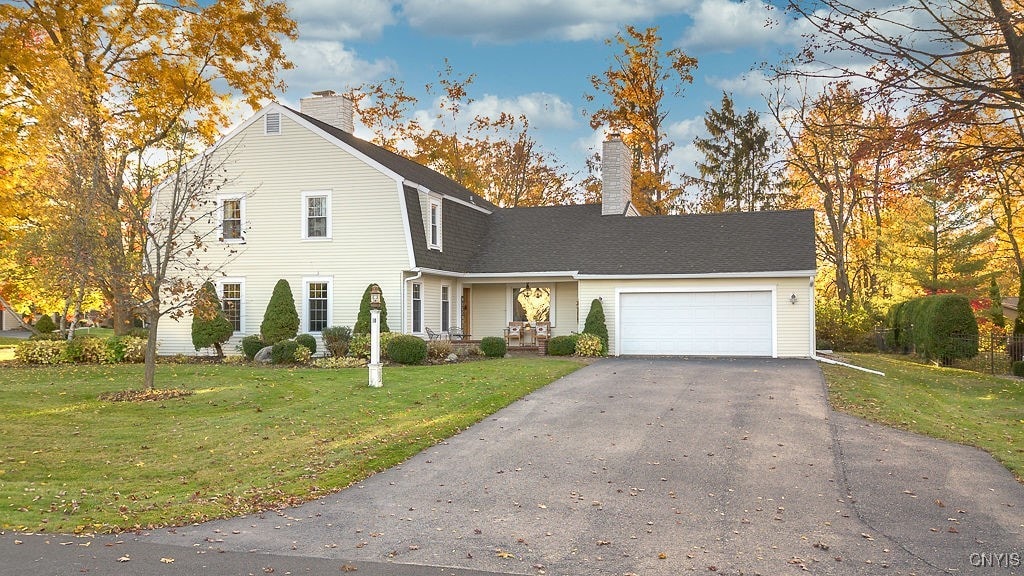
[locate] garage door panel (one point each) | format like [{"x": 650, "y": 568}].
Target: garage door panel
[{"x": 696, "y": 323}]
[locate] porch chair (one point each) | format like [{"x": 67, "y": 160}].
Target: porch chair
[
  {"x": 515, "y": 332},
  {"x": 431, "y": 335},
  {"x": 456, "y": 333},
  {"x": 543, "y": 332}
]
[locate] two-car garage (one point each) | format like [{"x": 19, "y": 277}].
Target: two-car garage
[{"x": 697, "y": 323}]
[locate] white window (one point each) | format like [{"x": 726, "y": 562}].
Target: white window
[
  {"x": 417, "y": 308},
  {"x": 231, "y": 214},
  {"x": 446, "y": 309},
  {"x": 317, "y": 301},
  {"x": 434, "y": 220},
  {"x": 232, "y": 299},
  {"x": 316, "y": 215},
  {"x": 272, "y": 123}
]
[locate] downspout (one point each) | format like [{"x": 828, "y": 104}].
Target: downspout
[
  {"x": 405, "y": 291},
  {"x": 814, "y": 343}
]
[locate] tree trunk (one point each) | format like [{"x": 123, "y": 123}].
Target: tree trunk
[{"x": 150, "y": 372}]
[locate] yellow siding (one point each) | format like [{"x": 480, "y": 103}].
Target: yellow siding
[
  {"x": 368, "y": 241},
  {"x": 489, "y": 310},
  {"x": 566, "y": 299},
  {"x": 432, "y": 302},
  {"x": 793, "y": 322}
]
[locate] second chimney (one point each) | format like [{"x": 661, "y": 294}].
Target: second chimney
[
  {"x": 616, "y": 176},
  {"x": 330, "y": 107}
]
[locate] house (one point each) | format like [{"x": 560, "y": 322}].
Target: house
[
  {"x": 1010, "y": 310},
  {"x": 311, "y": 203}
]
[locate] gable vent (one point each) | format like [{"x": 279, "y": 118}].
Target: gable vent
[{"x": 272, "y": 123}]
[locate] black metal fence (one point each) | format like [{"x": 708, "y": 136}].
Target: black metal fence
[{"x": 996, "y": 352}]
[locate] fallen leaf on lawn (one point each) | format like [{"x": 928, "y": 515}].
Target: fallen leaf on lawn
[
  {"x": 662, "y": 556},
  {"x": 504, "y": 554},
  {"x": 124, "y": 558},
  {"x": 167, "y": 560},
  {"x": 348, "y": 568}
]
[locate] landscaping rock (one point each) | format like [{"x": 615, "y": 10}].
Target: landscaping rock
[
  {"x": 263, "y": 356},
  {"x": 453, "y": 357}
]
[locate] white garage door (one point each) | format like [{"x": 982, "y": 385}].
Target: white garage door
[{"x": 696, "y": 323}]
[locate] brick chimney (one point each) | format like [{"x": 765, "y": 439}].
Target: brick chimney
[
  {"x": 616, "y": 176},
  {"x": 330, "y": 107}
]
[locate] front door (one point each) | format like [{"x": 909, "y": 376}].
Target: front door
[{"x": 467, "y": 329}]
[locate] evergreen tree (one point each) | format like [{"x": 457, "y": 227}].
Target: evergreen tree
[
  {"x": 209, "y": 325},
  {"x": 363, "y": 320},
  {"x": 596, "y": 325},
  {"x": 281, "y": 320},
  {"x": 45, "y": 324},
  {"x": 995, "y": 310},
  {"x": 735, "y": 174}
]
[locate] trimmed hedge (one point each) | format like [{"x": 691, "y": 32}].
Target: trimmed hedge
[
  {"x": 210, "y": 328},
  {"x": 45, "y": 324},
  {"x": 251, "y": 345},
  {"x": 941, "y": 327},
  {"x": 493, "y": 347},
  {"x": 307, "y": 340},
  {"x": 281, "y": 320},
  {"x": 87, "y": 349},
  {"x": 363, "y": 317},
  {"x": 407, "y": 349},
  {"x": 596, "y": 325},
  {"x": 283, "y": 352},
  {"x": 562, "y": 346},
  {"x": 1018, "y": 368}
]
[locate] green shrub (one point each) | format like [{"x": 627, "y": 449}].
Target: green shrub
[
  {"x": 41, "y": 351},
  {"x": 339, "y": 362},
  {"x": 337, "y": 340},
  {"x": 360, "y": 345},
  {"x": 129, "y": 349},
  {"x": 87, "y": 349},
  {"x": 407, "y": 349},
  {"x": 844, "y": 330},
  {"x": 589, "y": 345},
  {"x": 363, "y": 319},
  {"x": 283, "y": 352},
  {"x": 307, "y": 340},
  {"x": 139, "y": 332},
  {"x": 493, "y": 347},
  {"x": 252, "y": 344},
  {"x": 940, "y": 327},
  {"x": 47, "y": 336},
  {"x": 595, "y": 324},
  {"x": 280, "y": 321},
  {"x": 439, "y": 349},
  {"x": 1018, "y": 368},
  {"x": 210, "y": 328},
  {"x": 562, "y": 345},
  {"x": 45, "y": 324},
  {"x": 302, "y": 354}
]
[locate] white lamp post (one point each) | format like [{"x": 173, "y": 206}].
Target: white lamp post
[{"x": 376, "y": 372}]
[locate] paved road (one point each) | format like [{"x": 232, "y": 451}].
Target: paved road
[{"x": 626, "y": 467}]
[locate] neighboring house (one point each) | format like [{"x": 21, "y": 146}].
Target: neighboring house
[
  {"x": 311, "y": 203},
  {"x": 1010, "y": 311},
  {"x": 8, "y": 320}
]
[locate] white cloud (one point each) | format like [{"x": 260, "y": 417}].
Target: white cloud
[
  {"x": 339, "y": 20},
  {"x": 753, "y": 83},
  {"x": 512, "y": 20},
  {"x": 723, "y": 25},
  {"x": 323, "y": 65},
  {"x": 544, "y": 111}
]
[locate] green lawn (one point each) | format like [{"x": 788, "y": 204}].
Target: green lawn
[
  {"x": 250, "y": 438},
  {"x": 959, "y": 405}
]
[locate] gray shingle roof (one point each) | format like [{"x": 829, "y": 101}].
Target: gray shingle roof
[{"x": 579, "y": 238}]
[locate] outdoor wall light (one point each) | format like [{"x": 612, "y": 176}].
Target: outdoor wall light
[{"x": 792, "y": 299}]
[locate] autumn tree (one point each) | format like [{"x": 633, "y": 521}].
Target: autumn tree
[
  {"x": 635, "y": 85},
  {"x": 736, "y": 173},
  {"x": 109, "y": 85}
]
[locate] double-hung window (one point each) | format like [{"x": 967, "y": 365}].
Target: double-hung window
[
  {"x": 446, "y": 309},
  {"x": 316, "y": 215},
  {"x": 317, "y": 304},
  {"x": 434, "y": 223},
  {"x": 417, "y": 307},
  {"x": 232, "y": 213},
  {"x": 231, "y": 302}
]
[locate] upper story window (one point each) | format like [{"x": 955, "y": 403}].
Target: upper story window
[
  {"x": 232, "y": 214},
  {"x": 434, "y": 221},
  {"x": 272, "y": 123},
  {"x": 316, "y": 215}
]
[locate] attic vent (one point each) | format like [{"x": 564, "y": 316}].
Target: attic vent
[{"x": 272, "y": 123}]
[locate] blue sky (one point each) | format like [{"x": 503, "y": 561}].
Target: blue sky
[{"x": 536, "y": 56}]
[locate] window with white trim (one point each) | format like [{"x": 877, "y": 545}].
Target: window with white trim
[
  {"x": 232, "y": 216},
  {"x": 316, "y": 304},
  {"x": 434, "y": 223},
  {"x": 532, "y": 303},
  {"x": 272, "y": 123},
  {"x": 446, "y": 309},
  {"x": 417, "y": 307},
  {"x": 316, "y": 215},
  {"x": 231, "y": 300}
]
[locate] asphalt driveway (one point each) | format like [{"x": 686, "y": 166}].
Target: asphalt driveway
[{"x": 639, "y": 466}]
